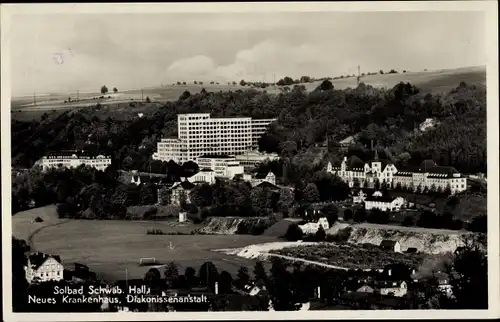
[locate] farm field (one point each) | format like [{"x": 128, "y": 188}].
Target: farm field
[
  {"x": 353, "y": 256},
  {"x": 427, "y": 81},
  {"x": 110, "y": 248}
]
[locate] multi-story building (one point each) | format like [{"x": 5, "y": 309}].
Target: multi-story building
[
  {"x": 355, "y": 172},
  {"x": 43, "y": 267},
  {"x": 431, "y": 176},
  {"x": 199, "y": 134},
  {"x": 428, "y": 175},
  {"x": 259, "y": 128},
  {"x": 223, "y": 166},
  {"x": 250, "y": 159},
  {"x": 73, "y": 159},
  {"x": 172, "y": 148}
]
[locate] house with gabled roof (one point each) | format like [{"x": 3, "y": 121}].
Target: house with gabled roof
[
  {"x": 43, "y": 267},
  {"x": 356, "y": 172},
  {"x": 180, "y": 190},
  {"x": 390, "y": 245}
]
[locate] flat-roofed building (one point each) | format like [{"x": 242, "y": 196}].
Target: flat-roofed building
[
  {"x": 73, "y": 159},
  {"x": 199, "y": 134},
  {"x": 251, "y": 158},
  {"x": 223, "y": 166}
]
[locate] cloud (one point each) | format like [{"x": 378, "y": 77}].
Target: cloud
[{"x": 255, "y": 64}]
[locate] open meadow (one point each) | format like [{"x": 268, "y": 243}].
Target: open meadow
[
  {"x": 427, "y": 81},
  {"x": 110, "y": 248}
]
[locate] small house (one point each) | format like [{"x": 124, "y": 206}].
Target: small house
[
  {"x": 384, "y": 203},
  {"x": 180, "y": 190},
  {"x": 393, "y": 288},
  {"x": 182, "y": 216},
  {"x": 390, "y": 245},
  {"x": 365, "y": 289}
]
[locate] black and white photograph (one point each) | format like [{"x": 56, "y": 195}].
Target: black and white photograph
[{"x": 298, "y": 160}]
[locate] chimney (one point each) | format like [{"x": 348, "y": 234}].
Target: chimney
[{"x": 216, "y": 288}]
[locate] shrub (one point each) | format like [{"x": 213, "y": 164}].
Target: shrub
[
  {"x": 155, "y": 231},
  {"x": 294, "y": 233},
  {"x": 38, "y": 219},
  {"x": 408, "y": 221},
  {"x": 348, "y": 215}
]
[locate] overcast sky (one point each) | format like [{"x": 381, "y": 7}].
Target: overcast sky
[{"x": 62, "y": 53}]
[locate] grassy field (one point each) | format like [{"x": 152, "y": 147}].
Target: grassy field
[
  {"x": 427, "y": 81},
  {"x": 23, "y": 225},
  {"x": 111, "y": 247}
]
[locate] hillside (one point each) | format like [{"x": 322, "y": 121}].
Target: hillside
[{"x": 438, "y": 81}]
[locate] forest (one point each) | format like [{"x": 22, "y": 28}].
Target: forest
[{"x": 388, "y": 117}]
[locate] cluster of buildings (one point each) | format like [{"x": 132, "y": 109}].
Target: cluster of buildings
[
  {"x": 199, "y": 134},
  {"x": 428, "y": 175},
  {"x": 74, "y": 159}
]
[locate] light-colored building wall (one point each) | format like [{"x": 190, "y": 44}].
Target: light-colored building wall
[
  {"x": 100, "y": 162},
  {"x": 399, "y": 290},
  {"x": 457, "y": 183},
  {"x": 203, "y": 176},
  {"x": 312, "y": 227},
  {"x": 394, "y": 205},
  {"x": 199, "y": 134},
  {"x": 49, "y": 270}
]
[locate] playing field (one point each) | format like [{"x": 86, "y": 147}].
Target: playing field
[{"x": 111, "y": 247}]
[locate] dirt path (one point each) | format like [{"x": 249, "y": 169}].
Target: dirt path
[
  {"x": 39, "y": 229},
  {"x": 295, "y": 259}
]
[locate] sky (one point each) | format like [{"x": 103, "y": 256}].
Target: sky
[{"x": 62, "y": 53}]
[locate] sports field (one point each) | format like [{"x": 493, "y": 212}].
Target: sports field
[{"x": 110, "y": 248}]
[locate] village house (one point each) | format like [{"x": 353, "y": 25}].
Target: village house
[
  {"x": 384, "y": 203},
  {"x": 203, "y": 176},
  {"x": 362, "y": 194},
  {"x": 392, "y": 288},
  {"x": 43, "y": 267},
  {"x": 312, "y": 227},
  {"x": 390, "y": 246},
  {"x": 180, "y": 191},
  {"x": 138, "y": 179},
  {"x": 258, "y": 179},
  {"x": 444, "y": 284}
]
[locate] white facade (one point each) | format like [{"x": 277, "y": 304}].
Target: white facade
[
  {"x": 200, "y": 134},
  {"x": 171, "y": 149},
  {"x": 73, "y": 159},
  {"x": 312, "y": 227},
  {"x": 223, "y": 166},
  {"x": 205, "y": 175},
  {"x": 384, "y": 204},
  {"x": 250, "y": 159},
  {"x": 398, "y": 289},
  {"x": 43, "y": 267},
  {"x": 363, "y": 172},
  {"x": 360, "y": 198},
  {"x": 455, "y": 182},
  {"x": 182, "y": 216},
  {"x": 270, "y": 177}
]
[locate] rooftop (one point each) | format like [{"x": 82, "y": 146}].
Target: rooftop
[
  {"x": 37, "y": 259},
  {"x": 215, "y": 156}
]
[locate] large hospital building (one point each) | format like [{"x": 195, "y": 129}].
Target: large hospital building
[{"x": 199, "y": 134}]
